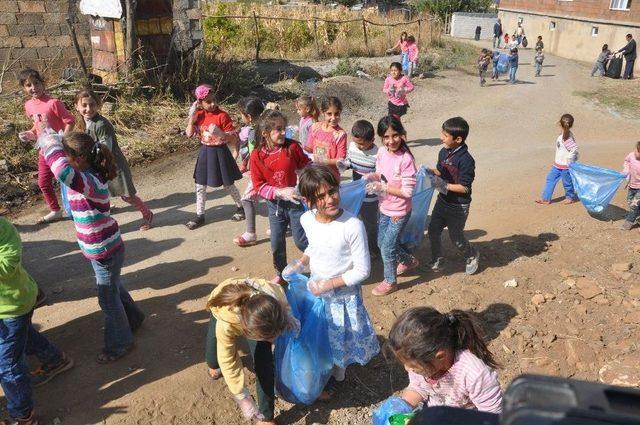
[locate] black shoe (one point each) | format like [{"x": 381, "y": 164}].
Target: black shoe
[
  {"x": 238, "y": 215},
  {"x": 195, "y": 223},
  {"x": 41, "y": 298}
]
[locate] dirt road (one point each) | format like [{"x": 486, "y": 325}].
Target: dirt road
[{"x": 589, "y": 317}]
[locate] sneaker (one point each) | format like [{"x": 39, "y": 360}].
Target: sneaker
[
  {"x": 41, "y": 298},
  {"x": 403, "y": 268},
  {"x": 384, "y": 288},
  {"x": 626, "y": 225},
  {"x": 46, "y": 373},
  {"x": 437, "y": 264},
  {"x": 473, "y": 262},
  {"x": 29, "y": 420},
  {"x": 238, "y": 215}
]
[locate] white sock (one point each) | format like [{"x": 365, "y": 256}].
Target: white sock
[
  {"x": 201, "y": 198},
  {"x": 53, "y": 215}
]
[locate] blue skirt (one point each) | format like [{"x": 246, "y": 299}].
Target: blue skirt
[{"x": 216, "y": 167}]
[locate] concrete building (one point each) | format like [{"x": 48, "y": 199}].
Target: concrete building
[
  {"x": 574, "y": 29},
  {"x": 463, "y": 25}
]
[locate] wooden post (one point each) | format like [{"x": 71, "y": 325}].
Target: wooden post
[
  {"x": 386, "y": 22},
  {"x": 366, "y": 39},
  {"x": 74, "y": 38},
  {"x": 419, "y": 31},
  {"x": 255, "y": 28},
  {"x": 315, "y": 35},
  {"x": 130, "y": 34}
]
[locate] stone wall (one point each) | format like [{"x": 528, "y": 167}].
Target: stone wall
[
  {"x": 34, "y": 33},
  {"x": 463, "y": 25}
]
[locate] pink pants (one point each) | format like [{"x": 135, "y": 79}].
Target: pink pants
[
  {"x": 45, "y": 182},
  {"x": 139, "y": 205}
]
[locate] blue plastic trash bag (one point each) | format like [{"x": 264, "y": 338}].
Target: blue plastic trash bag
[
  {"x": 65, "y": 200},
  {"x": 421, "y": 201},
  {"x": 503, "y": 63},
  {"x": 595, "y": 186},
  {"x": 290, "y": 132},
  {"x": 352, "y": 195},
  {"x": 405, "y": 62},
  {"x": 391, "y": 406},
  {"x": 304, "y": 363}
]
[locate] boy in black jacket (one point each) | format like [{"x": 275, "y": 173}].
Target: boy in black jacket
[{"x": 453, "y": 178}]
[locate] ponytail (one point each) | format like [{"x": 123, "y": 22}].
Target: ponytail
[
  {"x": 231, "y": 296},
  {"x": 81, "y": 145},
  {"x": 470, "y": 337}
]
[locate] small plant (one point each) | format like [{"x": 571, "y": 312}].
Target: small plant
[{"x": 346, "y": 66}]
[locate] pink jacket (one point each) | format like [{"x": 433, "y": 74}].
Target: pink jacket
[
  {"x": 412, "y": 49},
  {"x": 392, "y": 89},
  {"x": 632, "y": 170},
  {"x": 399, "y": 169}
]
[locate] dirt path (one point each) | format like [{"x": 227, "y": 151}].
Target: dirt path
[{"x": 171, "y": 270}]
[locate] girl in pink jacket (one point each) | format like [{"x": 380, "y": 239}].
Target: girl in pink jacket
[
  {"x": 412, "y": 52},
  {"x": 396, "y": 87}
]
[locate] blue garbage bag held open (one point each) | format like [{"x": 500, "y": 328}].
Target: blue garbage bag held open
[
  {"x": 352, "y": 195},
  {"x": 65, "y": 200},
  {"x": 421, "y": 201},
  {"x": 391, "y": 406},
  {"x": 595, "y": 186},
  {"x": 304, "y": 363},
  {"x": 503, "y": 63}
]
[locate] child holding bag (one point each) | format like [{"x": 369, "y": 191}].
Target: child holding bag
[
  {"x": 258, "y": 311},
  {"x": 338, "y": 258}
]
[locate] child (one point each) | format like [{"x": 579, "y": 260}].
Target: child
[
  {"x": 274, "y": 164},
  {"x": 361, "y": 157},
  {"x": 393, "y": 182},
  {"x": 101, "y": 131},
  {"x": 448, "y": 361},
  {"x": 539, "y": 43},
  {"x": 45, "y": 112},
  {"x": 307, "y": 108},
  {"x": 495, "y": 56},
  {"x": 566, "y": 153},
  {"x": 506, "y": 40},
  {"x": 603, "y": 57},
  {"x": 338, "y": 259},
  {"x": 18, "y": 337},
  {"x": 539, "y": 59},
  {"x": 327, "y": 140},
  {"x": 402, "y": 45},
  {"x": 215, "y": 166},
  {"x": 453, "y": 178},
  {"x": 255, "y": 310},
  {"x": 483, "y": 63},
  {"x": 412, "y": 54},
  {"x": 632, "y": 171},
  {"x": 85, "y": 166},
  {"x": 250, "y": 110},
  {"x": 513, "y": 65},
  {"x": 396, "y": 86}
]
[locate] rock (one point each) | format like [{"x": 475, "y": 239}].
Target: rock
[
  {"x": 549, "y": 296},
  {"x": 3, "y": 165},
  {"x": 623, "y": 372},
  {"x": 579, "y": 351},
  {"x": 538, "y": 299},
  {"x": 632, "y": 318},
  {"x": 602, "y": 300},
  {"x": 56, "y": 421},
  {"x": 636, "y": 249},
  {"x": 511, "y": 283},
  {"x": 634, "y": 291},
  {"x": 621, "y": 267},
  {"x": 234, "y": 269},
  {"x": 548, "y": 340},
  {"x": 569, "y": 273},
  {"x": 570, "y": 282},
  {"x": 588, "y": 288},
  {"x": 507, "y": 349},
  {"x": 624, "y": 276}
]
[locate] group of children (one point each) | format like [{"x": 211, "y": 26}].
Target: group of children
[
  {"x": 486, "y": 57},
  {"x": 409, "y": 53}
]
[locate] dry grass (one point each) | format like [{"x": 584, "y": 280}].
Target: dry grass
[
  {"x": 286, "y": 39},
  {"x": 622, "y": 97}
]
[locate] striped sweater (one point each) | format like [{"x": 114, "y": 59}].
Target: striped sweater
[{"x": 97, "y": 232}]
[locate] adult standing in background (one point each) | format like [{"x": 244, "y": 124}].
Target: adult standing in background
[
  {"x": 519, "y": 33},
  {"x": 497, "y": 33},
  {"x": 629, "y": 53}
]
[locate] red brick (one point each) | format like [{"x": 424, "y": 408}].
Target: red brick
[
  {"x": 31, "y": 6},
  {"x": 9, "y": 6},
  {"x": 60, "y": 40},
  {"x": 8, "y": 18},
  {"x": 10, "y": 42},
  {"x": 35, "y": 41},
  {"x": 30, "y": 18}
]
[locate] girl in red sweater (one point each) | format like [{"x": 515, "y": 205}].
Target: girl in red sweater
[{"x": 273, "y": 165}]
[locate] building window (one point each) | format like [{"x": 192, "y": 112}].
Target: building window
[
  {"x": 552, "y": 26},
  {"x": 594, "y": 31},
  {"x": 620, "y": 4}
]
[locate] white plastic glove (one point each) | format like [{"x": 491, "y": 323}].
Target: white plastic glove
[
  {"x": 400, "y": 92},
  {"x": 319, "y": 287},
  {"x": 294, "y": 267},
  {"x": 192, "y": 111},
  {"x": 27, "y": 136},
  {"x": 213, "y": 135},
  {"x": 319, "y": 159},
  {"x": 392, "y": 91},
  {"x": 49, "y": 138},
  {"x": 377, "y": 188},
  {"x": 247, "y": 405},
  {"x": 372, "y": 177},
  {"x": 439, "y": 184},
  {"x": 288, "y": 194},
  {"x": 343, "y": 165}
]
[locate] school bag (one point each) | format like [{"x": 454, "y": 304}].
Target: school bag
[
  {"x": 503, "y": 63},
  {"x": 303, "y": 362},
  {"x": 595, "y": 186},
  {"x": 614, "y": 69},
  {"x": 421, "y": 200},
  {"x": 525, "y": 42}
]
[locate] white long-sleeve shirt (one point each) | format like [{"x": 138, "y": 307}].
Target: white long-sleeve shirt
[
  {"x": 338, "y": 248},
  {"x": 566, "y": 152}
]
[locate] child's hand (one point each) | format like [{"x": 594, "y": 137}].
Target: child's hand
[
  {"x": 372, "y": 177},
  {"x": 288, "y": 194},
  {"x": 247, "y": 405},
  {"x": 49, "y": 138},
  {"x": 343, "y": 165},
  {"x": 319, "y": 287},
  {"x": 439, "y": 184},
  {"x": 377, "y": 188},
  {"x": 192, "y": 111},
  {"x": 27, "y": 136},
  {"x": 294, "y": 267}
]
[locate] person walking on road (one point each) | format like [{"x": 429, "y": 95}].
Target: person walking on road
[
  {"x": 519, "y": 33},
  {"x": 629, "y": 53},
  {"x": 497, "y": 33}
]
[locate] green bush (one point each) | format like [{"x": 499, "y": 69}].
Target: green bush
[
  {"x": 346, "y": 66},
  {"x": 219, "y": 32}
]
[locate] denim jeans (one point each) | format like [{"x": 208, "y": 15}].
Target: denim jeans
[
  {"x": 262, "y": 363},
  {"x": 538, "y": 68},
  {"x": 369, "y": 216},
  {"x": 391, "y": 250},
  {"x": 454, "y": 217},
  {"x": 496, "y": 41},
  {"x": 17, "y": 339},
  {"x": 633, "y": 196},
  {"x": 598, "y": 68},
  {"x": 554, "y": 175},
  {"x": 283, "y": 214},
  {"x": 121, "y": 314},
  {"x": 512, "y": 74},
  {"x": 494, "y": 71}
]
